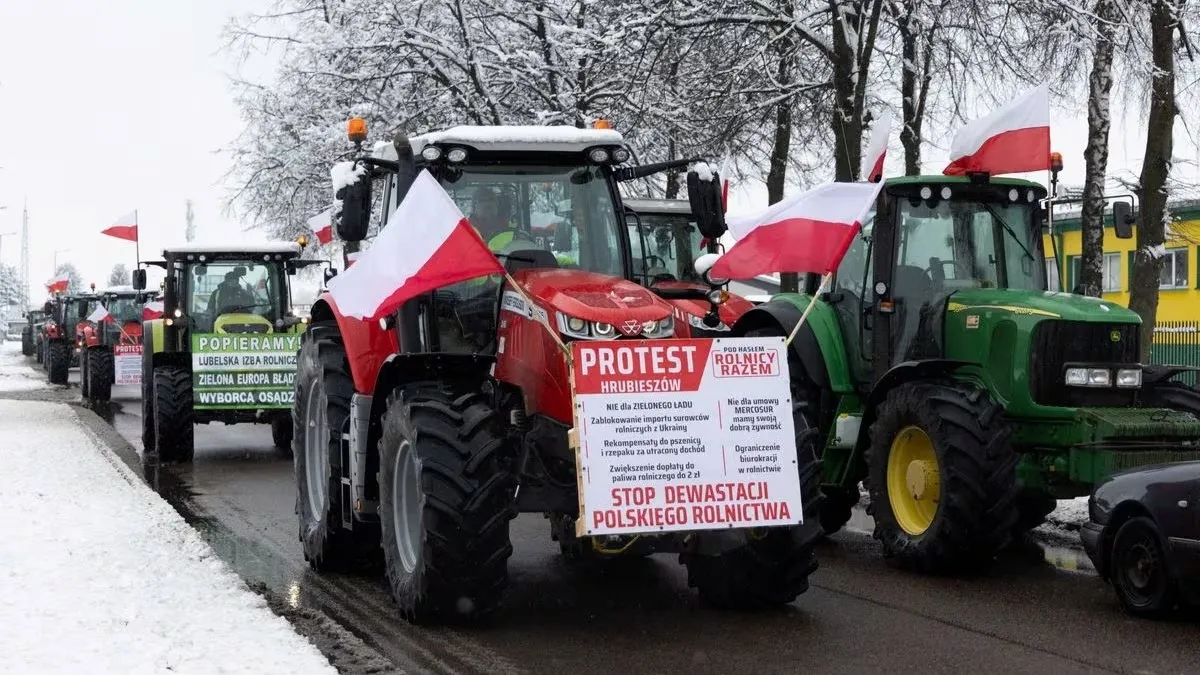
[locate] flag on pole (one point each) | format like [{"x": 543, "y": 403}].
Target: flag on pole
[
  {"x": 872, "y": 159},
  {"x": 59, "y": 284},
  {"x": 429, "y": 245},
  {"x": 807, "y": 233},
  {"x": 100, "y": 314},
  {"x": 322, "y": 225},
  {"x": 1013, "y": 139},
  {"x": 125, "y": 227},
  {"x": 152, "y": 310}
]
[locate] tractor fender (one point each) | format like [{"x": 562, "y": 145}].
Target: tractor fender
[
  {"x": 899, "y": 374},
  {"x": 818, "y": 343},
  {"x": 1153, "y": 374},
  {"x": 367, "y": 345},
  {"x": 154, "y": 350},
  {"x": 462, "y": 372}
]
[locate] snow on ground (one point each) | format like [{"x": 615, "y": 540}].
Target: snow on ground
[
  {"x": 99, "y": 575},
  {"x": 15, "y": 371}
]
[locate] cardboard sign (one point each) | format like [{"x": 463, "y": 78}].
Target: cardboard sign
[
  {"x": 676, "y": 435},
  {"x": 127, "y": 364},
  {"x": 233, "y": 371}
]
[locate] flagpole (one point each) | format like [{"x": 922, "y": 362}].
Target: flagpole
[
  {"x": 541, "y": 319},
  {"x": 811, "y": 303},
  {"x": 137, "y": 241}
]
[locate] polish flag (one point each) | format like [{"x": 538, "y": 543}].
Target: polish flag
[
  {"x": 59, "y": 284},
  {"x": 100, "y": 314},
  {"x": 428, "y": 244},
  {"x": 807, "y": 233},
  {"x": 1013, "y": 139},
  {"x": 322, "y": 225},
  {"x": 124, "y": 228},
  {"x": 152, "y": 311},
  {"x": 872, "y": 159}
]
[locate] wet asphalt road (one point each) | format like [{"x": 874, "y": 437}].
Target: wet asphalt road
[{"x": 861, "y": 616}]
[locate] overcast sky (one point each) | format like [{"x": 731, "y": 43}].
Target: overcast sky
[{"x": 107, "y": 107}]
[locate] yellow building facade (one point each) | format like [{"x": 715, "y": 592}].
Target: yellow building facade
[{"x": 1179, "y": 287}]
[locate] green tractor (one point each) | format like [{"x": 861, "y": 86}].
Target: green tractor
[
  {"x": 225, "y": 348},
  {"x": 968, "y": 397}
]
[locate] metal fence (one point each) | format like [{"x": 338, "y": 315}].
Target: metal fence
[{"x": 1177, "y": 343}]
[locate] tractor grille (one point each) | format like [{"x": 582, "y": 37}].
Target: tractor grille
[{"x": 1056, "y": 343}]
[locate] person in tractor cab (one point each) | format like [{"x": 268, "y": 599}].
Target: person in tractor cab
[{"x": 230, "y": 295}]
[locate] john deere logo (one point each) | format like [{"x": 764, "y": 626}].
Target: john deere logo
[{"x": 1115, "y": 336}]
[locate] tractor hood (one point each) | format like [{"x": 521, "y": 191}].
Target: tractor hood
[
  {"x": 1042, "y": 304},
  {"x": 729, "y": 312},
  {"x": 593, "y": 297}
]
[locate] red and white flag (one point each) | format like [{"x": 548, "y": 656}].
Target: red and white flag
[
  {"x": 59, "y": 284},
  {"x": 125, "y": 227},
  {"x": 807, "y": 233},
  {"x": 152, "y": 311},
  {"x": 1013, "y": 139},
  {"x": 100, "y": 314},
  {"x": 322, "y": 225},
  {"x": 872, "y": 159},
  {"x": 428, "y": 244}
]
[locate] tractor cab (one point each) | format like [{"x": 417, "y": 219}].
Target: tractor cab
[
  {"x": 665, "y": 241},
  {"x": 124, "y": 305}
]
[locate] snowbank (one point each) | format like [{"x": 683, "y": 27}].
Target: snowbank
[
  {"x": 15, "y": 371},
  {"x": 102, "y": 576}
]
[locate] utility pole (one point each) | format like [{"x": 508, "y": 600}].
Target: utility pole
[
  {"x": 25, "y": 257},
  {"x": 191, "y": 223}
]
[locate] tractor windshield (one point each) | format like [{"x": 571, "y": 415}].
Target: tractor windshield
[
  {"x": 959, "y": 244},
  {"x": 566, "y": 211},
  {"x": 123, "y": 308},
  {"x": 665, "y": 247},
  {"x": 233, "y": 290}
]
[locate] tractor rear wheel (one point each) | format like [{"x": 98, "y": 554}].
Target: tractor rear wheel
[
  {"x": 39, "y": 349},
  {"x": 59, "y": 362},
  {"x": 942, "y": 477},
  {"x": 84, "y": 388},
  {"x": 772, "y": 565},
  {"x": 26, "y": 343},
  {"x": 445, "y": 503},
  {"x": 174, "y": 418},
  {"x": 99, "y": 374},
  {"x": 319, "y": 417}
]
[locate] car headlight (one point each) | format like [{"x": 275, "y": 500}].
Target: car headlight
[
  {"x": 1089, "y": 377},
  {"x": 1129, "y": 377},
  {"x": 698, "y": 322}
]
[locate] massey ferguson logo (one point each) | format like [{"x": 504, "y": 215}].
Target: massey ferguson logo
[{"x": 631, "y": 327}]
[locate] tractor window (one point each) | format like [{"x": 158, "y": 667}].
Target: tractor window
[
  {"x": 852, "y": 285},
  {"x": 672, "y": 243},
  {"x": 232, "y": 288},
  {"x": 124, "y": 308},
  {"x": 955, "y": 244}
]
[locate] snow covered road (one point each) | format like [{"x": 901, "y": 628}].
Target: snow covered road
[{"x": 99, "y": 575}]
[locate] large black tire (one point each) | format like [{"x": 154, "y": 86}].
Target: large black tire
[
  {"x": 98, "y": 371},
  {"x": 281, "y": 434},
  {"x": 174, "y": 418},
  {"x": 59, "y": 362},
  {"x": 84, "y": 390},
  {"x": 976, "y": 508},
  {"x": 26, "y": 343},
  {"x": 445, "y": 537},
  {"x": 770, "y": 567},
  {"x": 1139, "y": 569},
  {"x": 323, "y": 369},
  {"x": 40, "y": 350}
]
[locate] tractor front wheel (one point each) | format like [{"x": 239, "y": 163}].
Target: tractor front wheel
[
  {"x": 319, "y": 417},
  {"x": 26, "y": 343},
  {"x": 174, "y": 418},
  {"x": 59, "y": 362},
  {"x": 942, "y": 477},
  {"x": 445, "y": 503},
  {"x": 98, "y": 371},
  {"x": 771, "y": 566}
]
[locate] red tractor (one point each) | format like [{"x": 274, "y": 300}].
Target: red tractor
[
  {"x": 665, "y": 241},
  {"x": 120, "y": 336},
  {"x": 66, "y": 315},
  {"x": 421, "y": 437}
]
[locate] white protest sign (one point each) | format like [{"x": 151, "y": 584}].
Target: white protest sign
[
  {"x": 676, "y": 435},
  {"x": 127, "y": 364}
]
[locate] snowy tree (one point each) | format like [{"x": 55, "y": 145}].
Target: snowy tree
[
  {"x": 10, "y": 289},
  {"x": 119, "y": 276},
  {"x": 76, "y": 280}
]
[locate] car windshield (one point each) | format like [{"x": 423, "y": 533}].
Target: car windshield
[
  {"x": 972, "y": 243},
  {"x": 566, "y": 211},
  {"x": 124, "y": 308},
  {"x": 665, "y": 247},
  {"x": 229, "y": 288}
]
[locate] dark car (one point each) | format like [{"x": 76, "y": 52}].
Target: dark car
[{"x": 1143, "y": 536}]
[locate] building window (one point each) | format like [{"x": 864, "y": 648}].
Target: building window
[
  {"x": 1175, "y": 269},
  {"x": 1052, "y": 274},
  {"x": 1110, "y": 272}
]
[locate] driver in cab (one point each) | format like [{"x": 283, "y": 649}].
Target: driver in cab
[
  {"x": 492, "y": 218},
  {"x": 230, "y": 295}
]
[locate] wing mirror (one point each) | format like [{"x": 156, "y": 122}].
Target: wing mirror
[
  {"x": 139, "y": 279},
  {"x": 354, "y": 215},
  {"x": 704, "y": 196},
  {"x": 1122, "y": 220}
]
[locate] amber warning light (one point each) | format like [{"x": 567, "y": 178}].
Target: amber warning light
[
  {"x": 356, "y": 129},
  {"x": 1056, "y": 163},
  {"x": 601, "y": 124}
]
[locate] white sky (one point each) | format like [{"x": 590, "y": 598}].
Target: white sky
[{"x": 107, "y": 107}]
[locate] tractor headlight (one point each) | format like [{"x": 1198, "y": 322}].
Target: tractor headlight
[
  {"x": 576, "y": 325},
  {"x": 1088, "y": 377},
  {"x": 603, "y": 330},
  {"x": 698, "y": 322},
  {"x": 582, "y": 329},
  {"x": 1129, "y": 377},
  {"x": 662, "y": 328}
]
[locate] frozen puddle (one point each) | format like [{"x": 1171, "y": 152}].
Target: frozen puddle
[{"x": 100, "y": 575}]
